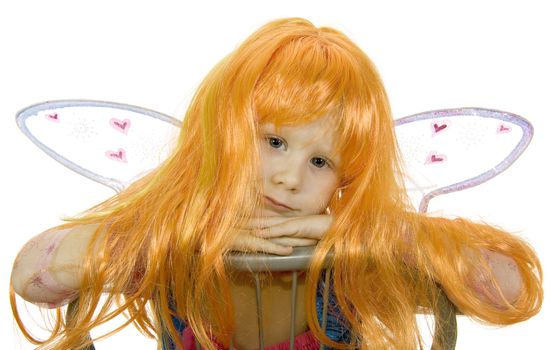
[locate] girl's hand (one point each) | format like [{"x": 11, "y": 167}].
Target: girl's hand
[
  {"x": 300, "y": 229},
  {"x": 278, "y": 235},
  {"x": 247, "y": 242}
]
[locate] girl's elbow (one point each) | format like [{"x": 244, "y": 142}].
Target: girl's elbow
[
  {"x": 32, "y": 277},
  {"x": 502, "y": 285},
  {"x": 17, "y": 283},
  {"x": 42, "y": 289}
]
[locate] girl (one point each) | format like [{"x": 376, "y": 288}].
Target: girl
[{"x": 288, "y": 141}]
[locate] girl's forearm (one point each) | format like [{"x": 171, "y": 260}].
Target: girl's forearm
[{"x": 47, "y": 269}]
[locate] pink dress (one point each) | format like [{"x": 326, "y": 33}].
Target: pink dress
[{"x": 304, "y": 341}]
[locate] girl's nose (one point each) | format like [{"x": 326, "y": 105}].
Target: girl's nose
[{"x": 289, "y": 177}]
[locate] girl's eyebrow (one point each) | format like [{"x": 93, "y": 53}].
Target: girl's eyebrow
[{"x": 268, "y": 127}]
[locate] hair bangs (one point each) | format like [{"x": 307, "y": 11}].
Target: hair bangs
[{"x": 303, "y": 81}]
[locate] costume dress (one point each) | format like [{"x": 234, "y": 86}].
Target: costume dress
[{"x": 336, "y": 327}]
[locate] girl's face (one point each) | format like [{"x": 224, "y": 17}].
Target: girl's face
[{"x": 299, "y": 168}]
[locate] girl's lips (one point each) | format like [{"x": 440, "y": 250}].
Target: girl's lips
[{"x": 276, "y": 204}]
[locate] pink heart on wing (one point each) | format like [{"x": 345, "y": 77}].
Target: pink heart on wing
[
  {"x": 502, "y": 129},
  {"x": 120, "y": 125},
  {"x": 434, "y": 157},
  {"x": 439, "y": 127},
  {"x": 53, "y": 117},
  {"x": 119, "y": 155}
]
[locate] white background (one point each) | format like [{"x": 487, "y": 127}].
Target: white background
[{"x": 431, "y": 54}]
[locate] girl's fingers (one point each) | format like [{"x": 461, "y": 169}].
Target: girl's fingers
[
  {"x": 267, "y": 221},
  {"x": 285, "y": 229},
  {"x": 294, "y": 241},
  {"x": 313, "y": 227},
  {"x": 248, "y": 243}
]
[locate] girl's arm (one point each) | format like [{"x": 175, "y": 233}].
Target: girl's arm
[
  {"x": 311, "y": 228},
  {"x": 47, "y": 269},
  {"x": 502, "y": 268}
]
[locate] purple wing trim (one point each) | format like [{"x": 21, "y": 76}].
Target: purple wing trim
[{"x": 527, "y": 133}]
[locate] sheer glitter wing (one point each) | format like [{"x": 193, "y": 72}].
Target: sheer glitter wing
[
  {"x": 453, "y": 149},
  {"x": 111, "y": 143}
]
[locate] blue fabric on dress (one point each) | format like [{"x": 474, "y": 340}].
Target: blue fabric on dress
[
  {"x": 178, "y": 323},
  {"x": 337, "y": 327}
]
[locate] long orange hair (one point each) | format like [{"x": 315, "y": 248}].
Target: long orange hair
[{"x": 166, "y": 237}]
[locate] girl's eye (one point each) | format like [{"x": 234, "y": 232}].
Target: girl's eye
[
  {"x": 319, "y": 162},
  {"x": 275, "y": 142}
]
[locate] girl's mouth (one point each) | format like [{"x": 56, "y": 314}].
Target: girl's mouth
[{"x": 277, "y": 205}]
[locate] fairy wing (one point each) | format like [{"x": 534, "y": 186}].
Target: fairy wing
[
  {"x": 111, "y": 143},
  {"x": 114, "y": 144},
  {"x": 453, "y": 149}
]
